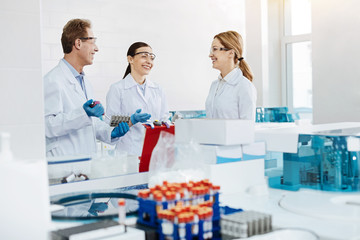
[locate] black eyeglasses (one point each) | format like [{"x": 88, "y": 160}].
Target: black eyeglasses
[
  {"x": 214, "y": 49},
  {"x": 146, "y": 55},
  {"x": 89, "y": 38}
]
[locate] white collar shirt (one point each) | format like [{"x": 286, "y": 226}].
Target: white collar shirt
[{"x": 231, "y": 97}]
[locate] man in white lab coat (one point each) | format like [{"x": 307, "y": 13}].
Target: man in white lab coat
[{"x": 72, "y": 122}]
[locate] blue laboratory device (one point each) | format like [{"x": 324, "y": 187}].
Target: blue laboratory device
[{"x": 327, "y": 160}]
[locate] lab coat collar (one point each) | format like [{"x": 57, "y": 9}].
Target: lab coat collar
[
  {"x": 231, "y": 77},
  {"x": 130, "y": 82},
  {"x": 71, "y": 78},
  {"x": 72, "y": 69},
  {"x": 69, "y": 75}
]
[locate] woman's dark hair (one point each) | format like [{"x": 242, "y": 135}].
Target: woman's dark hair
[{"x": 131, "y": 52}]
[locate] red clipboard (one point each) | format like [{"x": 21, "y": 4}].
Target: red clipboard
[{"x": 150, "y": 141}]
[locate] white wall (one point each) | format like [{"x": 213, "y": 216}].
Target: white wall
[
  {"x": 336, "y": 64},
  {"x": 23, "y": 182},
  {"x": 256, "y": 46},
  {"x": 21, "y": 93},
  {"x": 274, "y": 87},
  {"x": 180, "y": 33},
  {"x": 263, "y": 35}
]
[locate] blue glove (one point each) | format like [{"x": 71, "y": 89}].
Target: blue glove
[
  {"x": 97, "y": 207},
  {"x": 96, "y": 111},
  {"x": 150, "y": 123},
  {"x": 139, "y": 117},
  {"x": 120, "y": 130}
]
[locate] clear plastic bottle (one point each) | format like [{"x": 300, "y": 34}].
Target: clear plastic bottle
[
  {"x": 144, "y": 194},
  {"x": 151, "y": 196},
  {"x": 195, "y": 196},
  {"x": 69, "y": 178},
  {"x": 170, "y": 198},
  {"x": 208, "y": 221},
  {"x": 182, "y": 226},
  {"x": 195, "y": 226},
  {"x": 190, "y": 219},
  {"x": 189, "y": 187},
  {"x": 158, "y": 197},
  {"x": 201, "y": 195},
  {"x": 186, "y": 194},
  {"x": 167, "y": 225},
  {"x": 202, "y": 223},
  {"x": 214, "y": 190},
  {"x": 121, "y": 211}
]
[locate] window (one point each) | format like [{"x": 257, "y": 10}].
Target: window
[
  {"x": 299, "y": 71},
  {"x": 296, "y": 54},
  {"x": 297, "y": 15}
]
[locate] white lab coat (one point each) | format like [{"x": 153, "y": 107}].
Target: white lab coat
[
  {"x": 124, "y": 98},
  {"x": 235, "y": 99},
  {"x": 68, "y": 129}
]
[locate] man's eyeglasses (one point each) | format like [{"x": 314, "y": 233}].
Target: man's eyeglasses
[
  {"x": 214, "y": 49},
  {"x": 89, "y": 38},
  {"x": 146, "y": 55}
]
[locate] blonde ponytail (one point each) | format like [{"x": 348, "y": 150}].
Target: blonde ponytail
[
  {"x": 233, "y": 40},
  {"x": 245, "y": 68}
]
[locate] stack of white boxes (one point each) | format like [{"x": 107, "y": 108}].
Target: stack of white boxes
[{"x": 237, "y": 161}]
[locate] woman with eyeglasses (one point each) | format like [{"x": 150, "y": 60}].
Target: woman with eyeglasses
[
  {"x": 232, "y": 95},
  {"x": 135, "y": 91}
]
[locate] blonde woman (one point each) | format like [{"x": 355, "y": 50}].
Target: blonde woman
[{"x": 232, "y": 95}]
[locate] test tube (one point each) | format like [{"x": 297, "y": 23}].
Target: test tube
[{"x": 121, "y": 211}]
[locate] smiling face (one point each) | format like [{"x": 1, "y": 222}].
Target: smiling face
[
  {"x": 142, "y": 62},
  {"x": 220, "y": 56},
  {"x": 88, "y": 49}
]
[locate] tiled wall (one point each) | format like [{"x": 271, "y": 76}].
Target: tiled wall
[{"x": 180, "y": 33}]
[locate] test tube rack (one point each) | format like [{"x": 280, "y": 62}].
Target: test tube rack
[
  {"x": 147, "y": 216},
  {"x": 245, "y": 224},
  {"x": 116, "y": 119}
]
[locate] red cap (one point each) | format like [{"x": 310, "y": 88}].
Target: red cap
[
  {"x": 163, "y": 189},
  {"x": 181, "y": 193},
  {"x": 182, "y": 218},
  {"x": 144, "y": 193},
  {"x": 201, "y": 215},
  {"x": 216, "y": 187},
  {"x": 171, "y": 217},
  {"x": 121, "y": 202},
  {"x": 158, "y": 196},
  {"x": 190, "y": 217}
]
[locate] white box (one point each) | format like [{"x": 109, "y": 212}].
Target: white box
[
  {"x": 279, "y": 137},
  {"x": 214, "y": 131},
  {"x": 237, "y": 177},
  {"x": 283, "y": 137},
  {"x": 254, "y": 150},
  {"x": 220, "y": 154}
]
